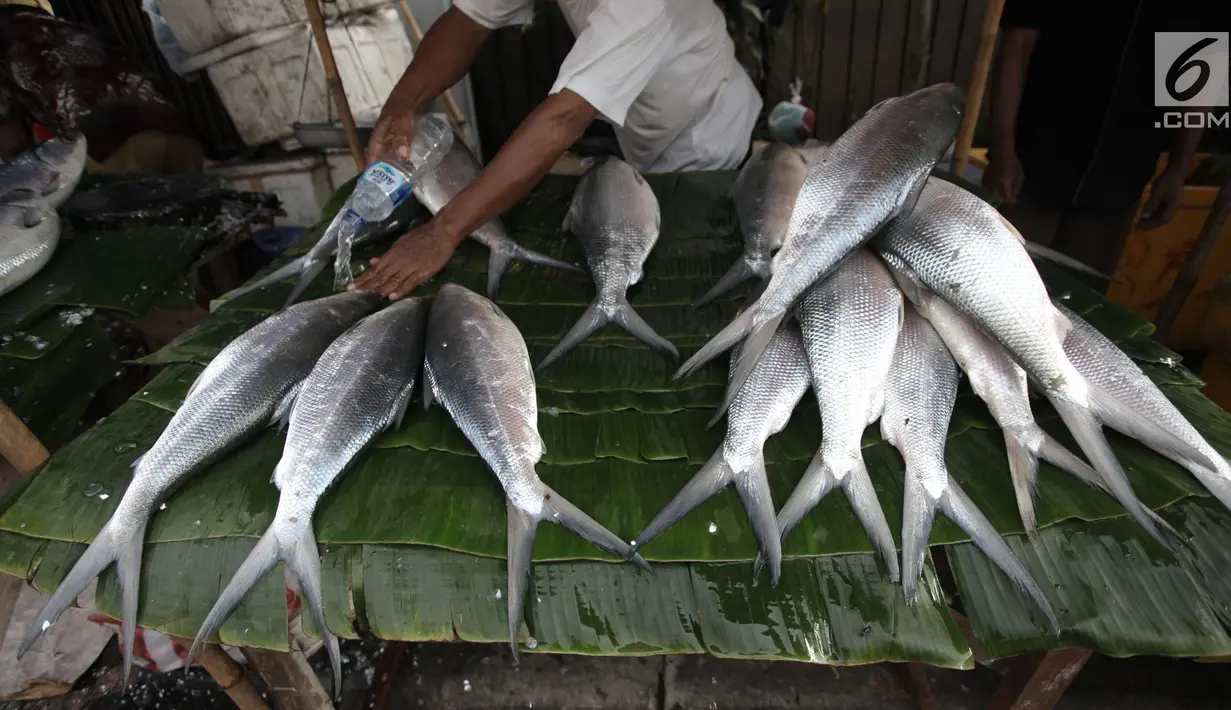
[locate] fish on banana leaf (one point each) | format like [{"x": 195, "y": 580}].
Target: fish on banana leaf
[
  {"x": 359, "y": 387},
  {"x": 871, "y": 174},
  {"x": 615, "y": 216},
  {"x": 761, "y": 408},
  {"x": 247, "y": 386},
  {"x": 919, "y": 397},
  {"x": 28, "y": 239},
  {"x": 477, "y": 367},
  {"x": 45, "y": 176},
  {"x": 959, "y": 247}
]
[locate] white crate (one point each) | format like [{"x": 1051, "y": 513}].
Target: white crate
[
  {"x": 300, "y": 182},
  {"x": 261, "y": 87},
  {"x": 199, "y": 25}
]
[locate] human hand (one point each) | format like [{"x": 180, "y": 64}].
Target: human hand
[
  {"x": 393, "y": 131},
  {"x": 1004, "y": 174},
  {"x": 1166, "y": 194},
  {"x": 416, "y": 257}
]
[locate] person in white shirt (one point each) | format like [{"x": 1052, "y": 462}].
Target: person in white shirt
[{"x": 662, "y": 72}]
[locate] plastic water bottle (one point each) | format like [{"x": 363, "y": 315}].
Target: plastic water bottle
[{"x": 384, "y": 185}]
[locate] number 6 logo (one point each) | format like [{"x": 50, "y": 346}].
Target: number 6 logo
[{"x": 1190, "y": 69}]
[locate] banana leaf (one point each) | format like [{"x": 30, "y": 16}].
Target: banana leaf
[{"x": 419, "y": 513}]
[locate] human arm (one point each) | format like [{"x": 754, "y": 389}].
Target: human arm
[
  {"x": 1004, "y": 173},
  {"x": 526, "y": 157},
  {"x": 1167, "y": 190},
  {"x": 443, "y": 58}
]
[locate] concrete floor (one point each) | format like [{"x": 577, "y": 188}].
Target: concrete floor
[{"x": 468, "y": 677}]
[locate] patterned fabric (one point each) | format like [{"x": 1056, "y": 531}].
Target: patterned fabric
[{"x": 66, "y": 77}]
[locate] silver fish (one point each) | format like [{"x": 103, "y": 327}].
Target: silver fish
[
  {"x": 872, "y": 173},
  {"x": 478, "y": 368},
  {"x": 764, "y": 195},
  {"x": 305, "y": 268},
  {"x": 813, "y": 150},
  {"x": 1110, "y": 371},
  {"x": 1002, "y": 384},
  {"x": 453, "y": 174},
  {"x": 359, "y": 387},
  {"x": 247, "y": 386},
  {"x": 960, "y": 247},
  {"x": 614, "y": 214},
  {"x": 761, "y": 409},
  {"x": 45, "y": 176},
  {"x": 850, "y": 325},
  {"x": 919, "y": 398},
  {"x": 28, "y": 238}
]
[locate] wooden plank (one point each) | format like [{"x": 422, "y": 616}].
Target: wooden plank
[
  {"x": 946, "y": 39},
  {"x": 832, "y": 75},
  {"x": 891, "y": 48},
  {"x": 292, "y": 683},
  {"x": 978, "y": 85},
  {"x": 1037, "y": 680},
  {"x": 968, "y": 41},
  {"x": 230, "y": 677},
  {"x": 1195, "y": 264},
  {"x": 863, "y": 59}
]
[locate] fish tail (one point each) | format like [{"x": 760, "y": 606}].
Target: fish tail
[
  {"x": 107, "y": 547},
  {"x": 630, "y": 320},
  {"x": 280, "y": 274},
  {"x": 590, "y": 321},
  {"x": 918, "y": 512},
  {"x": 961, "y": 510},
  {"x": 506, "y": 251},
  {"x": 749, "y": 356},
  {"x": 521, "y": 543},
  {"x": 817, "y": 482},
  {"x": 258, "y": 563},
  {"x": 558, "y": 510},
  {"x": 711, "y": 478},
  {"x": 726, "y": 339},
  {"x": 311, "y": 267},
  {"x": 1088, "y": 431},
  {"x": 305, "y": 561},
  {"x": 1216, "y": 481},
  {"x": 740, "y": 271},
  {"x": 753, "y": 488},
  {"x": 857, "y": 485},
  {"x": 1039, "y": 251},
  {"x": 1056, "y": 454},
  {"x": 1024, "y": 471},
  {"x": 1122, "y": 417}
]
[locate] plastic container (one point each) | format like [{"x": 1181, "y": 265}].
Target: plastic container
[
  {"x": 261, "y": 86},
  {"x": 199, "y": 25},
  {"x": 301, "y": 184}
]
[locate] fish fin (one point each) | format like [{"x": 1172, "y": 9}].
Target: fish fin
[
  {"x": 258, "y": 563},
  {"x": 815, "y": 484},
  {"x": 857, "y": 485},
  {"x": 711, "y": 478},
  {"x": 281, "y": 274},
  {"x": 1024, "y": 471},
  {"x": 1121, "y": 417},
  {"x": 630, "y": 320},
  {"x": 281, "y": 418},
  {"x": 918, "y": 513},
  {"x": 521, "y": 543},
  {"x": 726, "y": 339},
  {"x": 107, "y": 547},
  {"x": 428, "y": 386},
  {"x": 753, "y": 488},
  {"x": 400, "y": 405},
  {"x": 910, "y": 195},
  {"x": 572, "y": 217},
  {"x": 590, "y": 321},
  {"x": 739, "y": 272},
  {"x": 305, "y": 561},
  {"x": 191, "y": 388},
  {"x": 1038, "y": 251},
  {"x": 749, "y": 356},
  {"x": 508, "y": 250},
  {"x": 1061, "y": 324},
  {"x": 311, "y": 268},
  {"x": 137, "y": 461},
  {"x": 1088, "y": 431},
  {"x": 1214, "y": 481},
  {"x": 957, "y": 507},
  {"x": 558, "y": 510},
  {"x": 278, "y": 477}
]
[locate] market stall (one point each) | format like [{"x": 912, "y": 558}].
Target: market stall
[{"x": 413, "y": 537}]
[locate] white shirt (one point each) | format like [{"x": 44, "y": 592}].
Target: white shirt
[{"x": 663, "y": 72}]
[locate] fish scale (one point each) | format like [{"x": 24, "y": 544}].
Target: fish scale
[
  {"x": 477, "y": 367},
  {"x": 850, "y": 325},
  {"x": 870, "y": 174},
  {"x": 243, "y": 389},
  {"x": 28, "y": 239},
  {"x": 359, "y": 387}
]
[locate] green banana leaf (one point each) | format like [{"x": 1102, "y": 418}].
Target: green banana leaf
[{"x": 419, "y": 513}]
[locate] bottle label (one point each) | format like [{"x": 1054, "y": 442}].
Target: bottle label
[{"x": 389, "y": 179}]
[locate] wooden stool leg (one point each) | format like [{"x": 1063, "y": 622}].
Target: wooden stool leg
[
  {"x": 1037, "y": 680},
  {"x": 230, "y": 677},
  {"x": 25, "y": 452},
  {"x": 292, "y": 683}
]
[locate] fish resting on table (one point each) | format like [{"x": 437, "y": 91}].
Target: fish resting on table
[
  {"x": 247, "y": 386},
  {"x": 359, "y": 387},
  {"x": 478, "y": 369},
  {"x": 615, "y": 216}
]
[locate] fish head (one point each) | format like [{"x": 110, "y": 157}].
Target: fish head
[
  {"x": 938, "y": 110},
  {"x": 65, "y": 153}
]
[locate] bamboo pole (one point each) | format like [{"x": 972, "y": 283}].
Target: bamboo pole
[
  {"x": 230, "y": 677},
  {"x": 456, "y": 118},
  {"x": 1194, "y": 265},
  {"x": 978, "y": 84},
  {"x": 18, "y": 444},
  {"x": 334, "y": 81}
]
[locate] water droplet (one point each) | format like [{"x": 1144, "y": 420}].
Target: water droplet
[
  {"x": 93, "y": 489},
  {"x": 23, "y": 525},
  {"x": 197, "y": 523},
  {"x": 162, "y": 506},
  {"x": 499, "y": 594},
  {"x": 466, "y": 685},
  {"x": 532, "y": 642},
  {"x": 713, "y": 528},
  {"x": 46, "y": 625},
  {"x": 104, "y": 496},
  {"x": 125, "y": 446}
]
